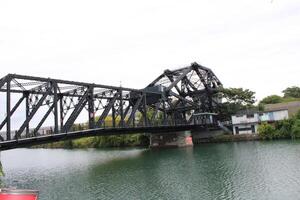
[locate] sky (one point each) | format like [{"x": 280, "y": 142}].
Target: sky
[{"x": 252, "y": 44}]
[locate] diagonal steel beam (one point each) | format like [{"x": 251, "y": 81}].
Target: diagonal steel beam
[
  {"x": 34, "y": 110},
  {"x": 176, "y": 86},
  {"x": 12, "y": 111},
  {"x": 155, "y": 111},
  {"x": 3, "y": 81},
  {"x": 19, "y": 84},
  {"x": 134, "y": 109},
  {"x": 185, "y": 72},
  {"x": 122, "y": 123},
  {"x": 202, "y": 79},
  {"x": 183, "y": 99},
  {"x": 43, "y": 119},
  {"x": 78, "y": 108},
  {"x": 155, "y": 81},
  {"x": 190, "y": 83},
  {"x": 106, "y": 110}
]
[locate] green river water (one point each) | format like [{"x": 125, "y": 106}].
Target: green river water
[{"x": 245, "y": 170}]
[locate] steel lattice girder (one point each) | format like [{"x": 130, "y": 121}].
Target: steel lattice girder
[{"x": 171, "y": 98}]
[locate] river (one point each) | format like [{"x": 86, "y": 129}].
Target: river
[{"x": 245, "y": 170}]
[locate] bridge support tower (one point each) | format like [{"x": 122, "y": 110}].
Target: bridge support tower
[{"x": 176, "y": 139}]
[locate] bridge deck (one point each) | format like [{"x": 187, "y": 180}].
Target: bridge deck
[{"x": 26, "y": 142}]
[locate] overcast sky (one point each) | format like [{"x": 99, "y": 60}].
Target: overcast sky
[{"x": 253, "y": 44}]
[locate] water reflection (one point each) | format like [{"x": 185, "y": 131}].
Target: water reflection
[{"x": 248, "y": 170}]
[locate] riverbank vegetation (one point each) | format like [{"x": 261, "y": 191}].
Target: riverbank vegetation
[
  {"x": 288, "y": 128},
  {"x": 133, "y": 140},
  {"x": 289, "y": 94},
  {"x": 234, "y": 100}
]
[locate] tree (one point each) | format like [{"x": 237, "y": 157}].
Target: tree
[
  {"x": 266, "y": 131},
  {"x": 238, "y": 95},
  {"x": 235, "y": 99},
  {"x": 272, "y": 99},
  {"x": 293, "y": 91},
  {"x": 284, "y": 127}
]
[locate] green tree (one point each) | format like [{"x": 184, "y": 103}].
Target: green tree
[
  {"x": 238, "y": 95},
  {"x": 272, "y": 99},
  {"x": 267, "y": 131},
  {"x": 235, "y": 99},
  {"x": 284, "y": 127},
  {"x": 293, "y": 91}
]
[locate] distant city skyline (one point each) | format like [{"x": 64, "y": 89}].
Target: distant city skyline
[{"x": 251, "y": 44}]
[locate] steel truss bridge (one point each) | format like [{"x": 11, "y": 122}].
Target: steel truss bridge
[{"x": 169, "y": 103}]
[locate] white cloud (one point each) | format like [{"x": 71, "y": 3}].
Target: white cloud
[{"x": 250, "y": 43}]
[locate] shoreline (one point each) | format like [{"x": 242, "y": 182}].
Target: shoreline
[{"x": 229, "y": 138}]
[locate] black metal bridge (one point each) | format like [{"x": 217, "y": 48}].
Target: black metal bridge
[{"x": 40, "y": 110}]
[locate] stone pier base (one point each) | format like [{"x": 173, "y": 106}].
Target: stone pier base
[{"x": 176, "y": 139}]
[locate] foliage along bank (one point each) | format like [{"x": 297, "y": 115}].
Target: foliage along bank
[
  {"x": 133, "y": 140},
  {"x": 126, "y": 140},
  {"x": 288, "y": 128}
]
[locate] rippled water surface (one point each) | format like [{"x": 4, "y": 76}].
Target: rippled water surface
[{"x": 245, "y": 170}]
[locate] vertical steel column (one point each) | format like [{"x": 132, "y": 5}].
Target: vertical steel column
[
  {"x": 113, "y": 116},
  {"x": 55, "y": 108},
  {"x": 165, "y": 113},
  {"x": 61, "y": 110},
  {"x": 91, "y": 111},
  {"x": 121, "y": 108},
  {"x": 27, "y": 112},
  {"x": 133, "y": 119},
  {"x": 8, "y": 128},
  {"x": 145, "y": 110}
]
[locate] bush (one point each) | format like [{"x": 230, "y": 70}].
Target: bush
[
  {"x": 284, "y": 127},
  {"x": 267, "y": 131},
  {"x": 295, "y": 133},
  {"x": 297, "y": 115}
]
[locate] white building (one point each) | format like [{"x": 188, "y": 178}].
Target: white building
[{"x": 247, "y": 122}]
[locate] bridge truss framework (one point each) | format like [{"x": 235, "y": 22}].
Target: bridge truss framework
[{"x": 170, "y": 100}]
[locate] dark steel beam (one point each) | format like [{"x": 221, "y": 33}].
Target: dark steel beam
[
  {"x": 59, "y": 81},
  {"x": 176, "y": 86},
  {"x": 106, "y": 110},
  {"x": 121, "y": 124},
  {"x": 27, "y": 110},
  {"x": 8, "y": 115},
  {"x": 55, "y": 106},
  {"x": 155, "y": 81},
  {"x": 12, "y": 111},
  {"x": 61, "y": 111},
  {"x": 43, "y": 120},
  {"x": 134, "y": 109},
  {"x": 184, "y": 73},
  {"x": 91, "y": 111},
  {"x": 3, "y": 81},
  {"x": 183, "y": 99},
  {"x": 32, "y": 113},
  {"x": 145, "y": 109},
  {"x": 78, "y": 108}
]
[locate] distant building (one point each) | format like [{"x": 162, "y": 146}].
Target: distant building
[
  {"x": 246, "y": 122},
  {"x": 292, "y": 107}
]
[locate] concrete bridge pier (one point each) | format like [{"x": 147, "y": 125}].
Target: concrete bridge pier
[{"x": 176, "y": 139}]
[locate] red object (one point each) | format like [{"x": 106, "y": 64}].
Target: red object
[
  {"x": 189, "y": 140},
  {"x": 13, "y": 194}
]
